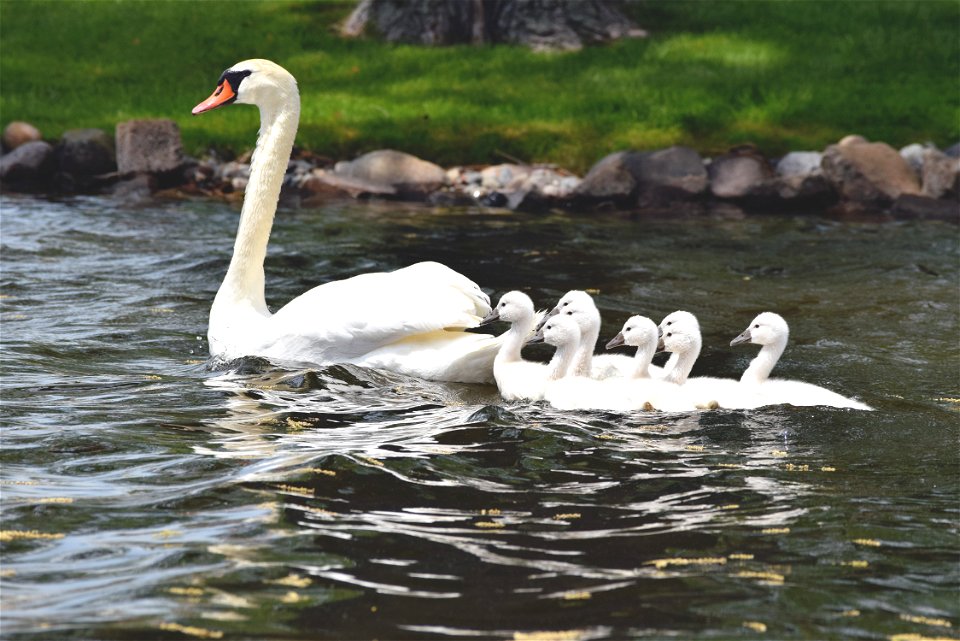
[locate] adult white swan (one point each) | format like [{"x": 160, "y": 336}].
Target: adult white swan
[
  {"x": 771, "y": 332},
  {"x": 411, "y": 320}
]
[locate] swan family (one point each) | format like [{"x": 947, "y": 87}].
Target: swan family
[{"x": 414, "y": 320}]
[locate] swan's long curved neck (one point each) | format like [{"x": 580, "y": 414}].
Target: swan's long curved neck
[
  {"x": 560, "y": 364},
  {"x": 514, "y": 339},
  {"x": 244, "y": 282},
  {"x": 683, "y": 365},
  {"x": 760, "y": 367}
]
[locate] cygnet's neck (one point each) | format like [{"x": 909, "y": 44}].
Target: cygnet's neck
[
  {"x": 514, "y": 339},
  {"x": 244, "y": 282},
  {"x": 584, "y": 355},
  {"x": 683, "y": 364},
  {"x": 561, "y": 362},
  {"x": 760, "y": 367},
  {"x": 643, "y": 358}
]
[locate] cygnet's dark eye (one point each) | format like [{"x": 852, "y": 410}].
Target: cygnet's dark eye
[
  {"x": 669, "y": 323},
  {"x": 669, "y": 334},
  {"x": 564, "y": 304},
  {"x": 757, "y": 326},
  {"x": 629, "y": 329},
  {"x": 569, "y": 313}
]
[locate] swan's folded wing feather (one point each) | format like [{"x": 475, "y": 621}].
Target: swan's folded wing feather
[{"x": 343, "y": 320}]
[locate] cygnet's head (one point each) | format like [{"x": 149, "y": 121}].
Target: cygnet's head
[
  {"x": 679, "y": 332},
  {"x": 251, "y": 82},
  {"x": 766, "y": 329},
  {"x": 579, "y": 305},
  {"x": 513, "y": 306},
  {"x": 576, "y": 297},
  {"x": 561, "y": 331},
  {"x": 638, "y": 331}
]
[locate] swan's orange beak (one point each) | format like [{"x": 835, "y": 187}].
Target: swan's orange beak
[{"x": 222, "y": 95}]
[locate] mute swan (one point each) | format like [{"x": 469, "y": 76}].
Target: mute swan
[
  {"x": 771, "y": 331},
  {"x": 411, "y": 320},
  {"x": 580, "y": 305},
  {"x": 563, "y": 333},
  {"x": 573, "y": 392},
  {"x": 680, "y": 334},
  {"x": 516, "y": 378},
  {"x": 642, "y": 333}
]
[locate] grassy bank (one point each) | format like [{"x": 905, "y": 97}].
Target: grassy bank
[{"x": 784, "y": 75}]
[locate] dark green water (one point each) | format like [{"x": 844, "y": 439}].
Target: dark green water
[{"x": 256, "y": 503}]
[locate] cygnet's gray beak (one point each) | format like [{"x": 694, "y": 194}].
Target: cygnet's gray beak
[
  {"x": 493, "y": 316},
  {"x": 660, "y": 346},
  {"x": 537, "y": 336},
  {"x": 616, "y": 341},
  {"x": 742, "y": 338}
]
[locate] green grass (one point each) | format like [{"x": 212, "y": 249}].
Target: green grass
[{"x": 784, "y": 75}]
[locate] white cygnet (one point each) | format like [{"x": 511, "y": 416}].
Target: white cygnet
[
  {"x": 770, "y": 331},
  {"x": 516, "y": 378}
]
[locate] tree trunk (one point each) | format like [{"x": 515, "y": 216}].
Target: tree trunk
[{"x": 539, "y": 24}]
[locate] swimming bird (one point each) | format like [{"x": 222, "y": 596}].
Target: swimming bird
[
  {"x": 622, "y": 394},
  {"x": 770, "y": 331},
  {"x": 516, "y": 378},
  {"x": 411, "y": 320},
  {"x": 581, "y": 306},
  {"x": 642, "y": 333}
]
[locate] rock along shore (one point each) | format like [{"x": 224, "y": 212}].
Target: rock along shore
[{"x": 145, "y": 158}]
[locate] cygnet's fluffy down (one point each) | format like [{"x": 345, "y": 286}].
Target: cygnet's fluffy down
[
  {"x": 770, "y": 331},
  {"x": 581, "y": 306},
  {"x": 622, "y": 394}
]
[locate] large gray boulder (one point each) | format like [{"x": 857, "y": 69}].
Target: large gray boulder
[
  {"x": 28, "y": 165},
  {"x": 404, "y": 173},
  {"x": 610, "y": 178},
  {"x": 940, "y": 173},
  {"x": 800, "y": 178},
  {"x": 19, "y": 133},
  {"x": 86, "y": 152},
  {"x": 149, "y": 146},
  {"x": 741, "y": 173},
  {"x": 645, "y": 178},
  {"x": 799, "y": 163},
  {"x": 868, "y": 172}
]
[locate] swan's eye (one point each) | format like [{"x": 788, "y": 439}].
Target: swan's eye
[
  {"x": 669, "y": 334},
  {"x": 569, "y": 313},
  {"x": 669, "y": 323},
  {"x": 629, "y": 329},
  {"x": 756, "y": 326}
]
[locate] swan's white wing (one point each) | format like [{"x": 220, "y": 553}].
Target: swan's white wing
[{"x": 342, "y": 321}]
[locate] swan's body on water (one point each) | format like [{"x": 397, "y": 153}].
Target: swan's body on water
[
  {"x": 411, "y": 320},
  {"x": 770, "y": 331},
  {"x": 516, "y": 378}
]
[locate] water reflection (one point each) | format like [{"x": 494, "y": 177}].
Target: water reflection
[{"x": 144, "y": 495}]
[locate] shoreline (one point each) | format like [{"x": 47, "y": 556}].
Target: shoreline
[{"x": 145, "y": 159}]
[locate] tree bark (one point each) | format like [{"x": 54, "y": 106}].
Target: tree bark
[{"x": 538, "y": 24}]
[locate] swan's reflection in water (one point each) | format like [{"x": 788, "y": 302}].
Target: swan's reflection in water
[{"x": 416, "y": 489}]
